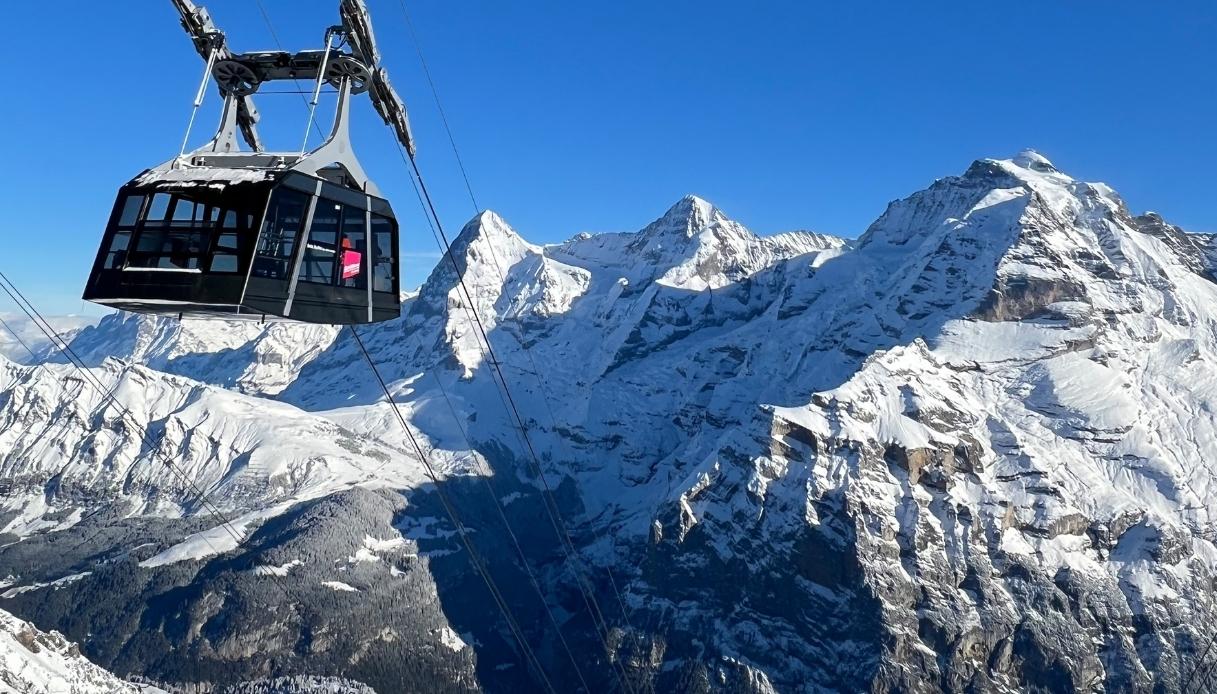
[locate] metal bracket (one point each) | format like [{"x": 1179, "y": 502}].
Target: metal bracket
[
  {"x": 225, "y": 139},
  {"x": 238, "y": 76},
  {"x": 205, "y": 35},
  {"x": 337, "y": 147},
  {"x": 242, "y": 74}
]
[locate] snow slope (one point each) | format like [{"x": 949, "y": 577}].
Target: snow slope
[{"x": 65, "y": 448}]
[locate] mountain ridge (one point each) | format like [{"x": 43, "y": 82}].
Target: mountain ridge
[{"x": 966, "y": 451}]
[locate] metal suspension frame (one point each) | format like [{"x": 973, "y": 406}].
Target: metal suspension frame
[{"x": 355, "y": 70}]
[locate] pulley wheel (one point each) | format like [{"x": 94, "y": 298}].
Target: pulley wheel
[
  {"x": 235, "y": 78},
  {"x": 348, "y": 68}
]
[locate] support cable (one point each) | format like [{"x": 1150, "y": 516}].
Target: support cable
[
  {"x": 279, "y": 44},
  {"x": 438, "y": 106},
  {"x": 109, "y": 397},
  {"x": 551, "y": 506},
  {"x": 35, "y": 316},
  {"x": 17, "y": 337},
  {"x": 481, "y": 570},
  {"x": 474, "y": 557},
  {"x": 493, "y": 256},
  {"x": 1201, "y": 668},
  {"x": 134, "y": 481},
  {"x": 511, "y": 534},
  {"x": 198, "y": 98},
  {"x": 596, "y": 613}
]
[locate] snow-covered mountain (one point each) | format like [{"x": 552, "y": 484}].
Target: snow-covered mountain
[
  {"x": 34, "y": 661},
  {"x": 19, "y": 335},
  {"x": 970, "y": 451}
]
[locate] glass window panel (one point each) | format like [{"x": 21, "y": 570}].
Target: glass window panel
[
  {"x": 151, "y": 241},
  {"x": 169, "y": 249},
  {"x": 354, "y": 248},
  {"x": 120, "y": 241},
  {"x": 225, "y": 256},
  {"x": 230, "y": 220},
  {"x": 183, "y": 211},
  {"x": 321, "y": 252},
  {"x": 116, "y": 257},
  {"x": 159, "y": 206},
  {"x": 130, "y": 211},
  {"x": 277, "y": 242},
  {"x": 224, "y": 263},
  {"x": 383, "y": 270}
]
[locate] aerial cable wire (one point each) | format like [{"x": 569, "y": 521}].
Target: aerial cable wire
[
  {"x": 506, "y": 523},
  {"x": 17, "y": 337},
  {"x": 1201, "y": 667},
  {"x": 518, "y": 633},
  {"x": 512, "y": 535},
  {"x": 83, "y": 382},
  {"x": 418, "y": 47},
  {"x": 109, "y": 397},
  {"x": 279, "y": 44},
  {"x": 589, "y": 599},
  {"x": 493, "y": 254},
  {"x": 201, "y": 497},
  {"x": 474, "y": 557},
  {"x": 533, "y": 459},
  {"x": 598, "y": 620},
  {"x": 34, "y": 358},
  {"x": 445, "y": 247}
]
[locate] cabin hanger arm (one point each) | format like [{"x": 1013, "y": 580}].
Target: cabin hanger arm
[
  {"x": 206, "y": 36},
  {"x": 240, "y": 75}
]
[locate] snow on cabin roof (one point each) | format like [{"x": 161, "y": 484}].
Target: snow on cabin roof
[{"x": 205, "y": 175}]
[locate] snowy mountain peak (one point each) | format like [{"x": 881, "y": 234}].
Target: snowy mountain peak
[
  {"x": 688, "y": 216},
  {"x": 486, "y": 230},
  {"x": 485, "y": 249},
  {"x": 692, "y": 246},
  {"x": 1031, "y": 159}
]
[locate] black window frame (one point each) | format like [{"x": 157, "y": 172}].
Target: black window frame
[
  {"x": 360, "y": 227},
  {"x": 115, "y": 256},
  {"x": 195, "y": 235},
  {"x": 312, "y": 245},
  {"x": 262, "y": 260},
  {"x": 378, "y": 259}
]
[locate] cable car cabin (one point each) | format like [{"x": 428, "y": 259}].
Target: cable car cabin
[
  {"x": 249, "y": 243},
  {"x": 226, "y": 232}
]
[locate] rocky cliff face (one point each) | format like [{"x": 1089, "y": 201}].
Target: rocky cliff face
[{"x": 969, "y": 451}]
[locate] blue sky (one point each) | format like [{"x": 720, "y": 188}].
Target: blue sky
[{"x": 576, "y": 116}]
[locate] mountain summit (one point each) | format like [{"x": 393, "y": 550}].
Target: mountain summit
[{"x": 970, "y": 451}]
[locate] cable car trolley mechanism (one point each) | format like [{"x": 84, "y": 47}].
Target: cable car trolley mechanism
[{"x": 226, "y": 232}]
